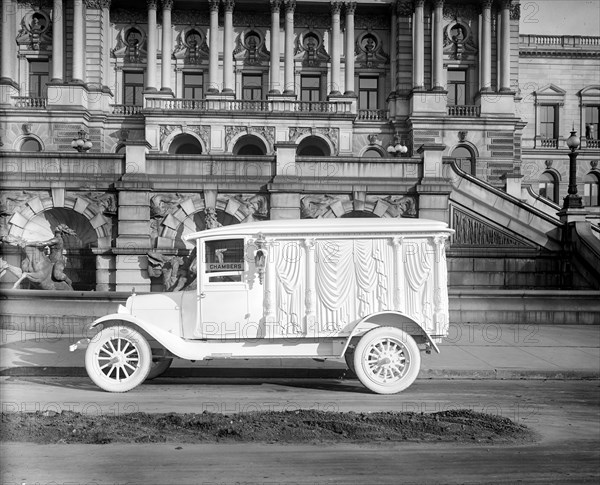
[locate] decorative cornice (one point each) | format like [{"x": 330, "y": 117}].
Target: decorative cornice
[
  {"x": 549, "y": 52},
  {"x": 290, "y": 6},
  {"x": 336, "y": 7},
  {"x": 275, "y": 5},
  {"x": 213, "y": 5},
  {"x": 515, "y": 11}
]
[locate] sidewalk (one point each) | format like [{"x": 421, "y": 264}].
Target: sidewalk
[{"x": 472, "y": 351}]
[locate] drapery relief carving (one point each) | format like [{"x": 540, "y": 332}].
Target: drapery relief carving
[
  {"x": 351, "y": 280},
  {"x": 291, "y": 276},
  {"x": 471, "y": 231}
]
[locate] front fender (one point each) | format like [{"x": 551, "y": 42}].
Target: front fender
[
  {"x": 173, "y": 343},
  {"x": 397, "y": 320}
]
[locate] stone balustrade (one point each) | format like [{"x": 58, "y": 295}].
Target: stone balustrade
[
  {"x": 373, "y": 115},
  {"x": 125, "y": 109},
  {"x": 464, "y": 111},
  {"x": 29, "y": 102}
]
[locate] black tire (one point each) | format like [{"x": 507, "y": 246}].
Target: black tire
[
  {"x": 159, "y": 367},
  {"x": 387, "y": 360}
]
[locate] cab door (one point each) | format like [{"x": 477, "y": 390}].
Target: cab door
[{"x": 225, "y": 277}]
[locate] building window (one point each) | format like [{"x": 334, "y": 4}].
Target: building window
[
  {"x": 133, "y": 87},
  {"x": 591, "y": 192},
  {"x": 31, "y": 145},
  {"x": 193, "y": 86},
  {"x": 252, "y": 87},
  {"x": 38, "y": 78},
  {"x": 310, "y": 88},
  {"x": 591, "y": 115},
  {"x": 464, "y": 159},
  {"x": 457, "y": 87},
  {"x": 548, "y": 187},
  {"x": 548, "y": 121},
  {"x": 368, "y": 91}
]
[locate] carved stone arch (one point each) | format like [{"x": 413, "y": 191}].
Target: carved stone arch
[
  {"x": 325, "y": 206},
  {"x": 372, "y": 148},
  {"x": 38, "y": 216},
  {"x": 466, "y": 144},
  {"x": 256, "y": 132},
  {"x": 19, "y": 140},
  {"x": 168, "y": 135},
  {"x": 303, "y": 140}
]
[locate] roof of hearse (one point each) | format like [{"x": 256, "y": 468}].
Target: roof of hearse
[{"x": 325, "y": 226}]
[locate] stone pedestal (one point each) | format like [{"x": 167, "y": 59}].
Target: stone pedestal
[
  {"x": 433, "y": 189},
  {"x": 496, "y": 104},
  {"x": 513, "y": 184},
  {"x": 69, "y": 96},
  {"x": 427, "y": 103},
  {"x": 8, "y": 89}
]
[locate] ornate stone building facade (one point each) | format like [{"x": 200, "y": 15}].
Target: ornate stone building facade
[{"x": 136, "y": 125}]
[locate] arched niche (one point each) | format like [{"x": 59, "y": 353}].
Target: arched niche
[
  {"x": 249, "y": 145},
  {"x": 185, "y": 144},
  {"x": 313, "y": 146}
]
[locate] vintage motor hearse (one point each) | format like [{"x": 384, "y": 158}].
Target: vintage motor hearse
[{"x": 372, "y": 291}]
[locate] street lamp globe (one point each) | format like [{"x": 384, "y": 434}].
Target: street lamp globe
[{"x": 573, "y": 141}]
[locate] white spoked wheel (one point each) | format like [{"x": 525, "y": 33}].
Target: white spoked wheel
[
  {"x": 118, "y": 359},
  {"x": 387, "y": 360},
  {"x": 159, "y": 367}
]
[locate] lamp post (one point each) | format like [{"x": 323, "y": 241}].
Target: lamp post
[
  {"x": 82, "y": 142},
  {"x": 572, "y": 200},
  {"x": 397, "y": 148}
]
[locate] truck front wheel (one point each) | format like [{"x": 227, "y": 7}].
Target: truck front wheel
[
  {"x": 118, "y": 358},
  {"x": 387, "y": 360}
]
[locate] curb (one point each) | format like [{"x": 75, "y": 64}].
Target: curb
[{"x": 307, "y": 373}]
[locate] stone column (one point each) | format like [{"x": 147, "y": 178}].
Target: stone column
[
  {"x": 505, "y": 47},
  {"x": 213, "y": 57},
  {"x": 335, "y": 47},
  {"x": 228, "y": 47},
  {"x": 393, "y": 50},
  {"x": 438, "y": 47},
  {"x": 290, "y": 84},
  {"x": 350, "y": 9},
  {"x": 9, "y": 8},
  {"x": 77, "y": 74},
  {"x": 166, "y": 45},
  {"x": 57, "y": 41},
  {"x": 419, "y": 45},
  {"x": 151, "y": 44},
  {"x": 486, "y": 45},
  {"x": 275, "y": 50}
]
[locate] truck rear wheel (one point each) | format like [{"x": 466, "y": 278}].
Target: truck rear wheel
[
  {"x": 159, "y": 367},
  {"x": 118, "y": 358},
  {"x": 387, "y": 360}
]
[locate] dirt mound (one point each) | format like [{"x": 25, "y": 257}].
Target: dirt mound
[{"x": 301, "y": 426}]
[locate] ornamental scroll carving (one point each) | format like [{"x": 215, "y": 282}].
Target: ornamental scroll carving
[
  {"x": 369, "y": 51},
  {"x": 191, "y": 46},
  {"x": 318, "y": 205},
  {"x": 471, "y": 231},
  {"x": 310, "y": 49},
  {"x": 36, "y": 31},
  {"x": 251, "y": 48},
  {"x": 332, "y": 134}
]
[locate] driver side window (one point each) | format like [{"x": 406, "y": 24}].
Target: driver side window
[{"x": 224, "y": 260}]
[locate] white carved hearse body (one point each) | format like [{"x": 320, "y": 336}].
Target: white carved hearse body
[{"x": 372, "y": 291}]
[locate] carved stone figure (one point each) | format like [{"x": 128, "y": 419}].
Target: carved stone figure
[
  {"x": 170, "y": 268},
  {"x": 44, "y": 263}
]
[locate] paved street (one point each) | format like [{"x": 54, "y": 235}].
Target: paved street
[{"x": 565, "y": 413}]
